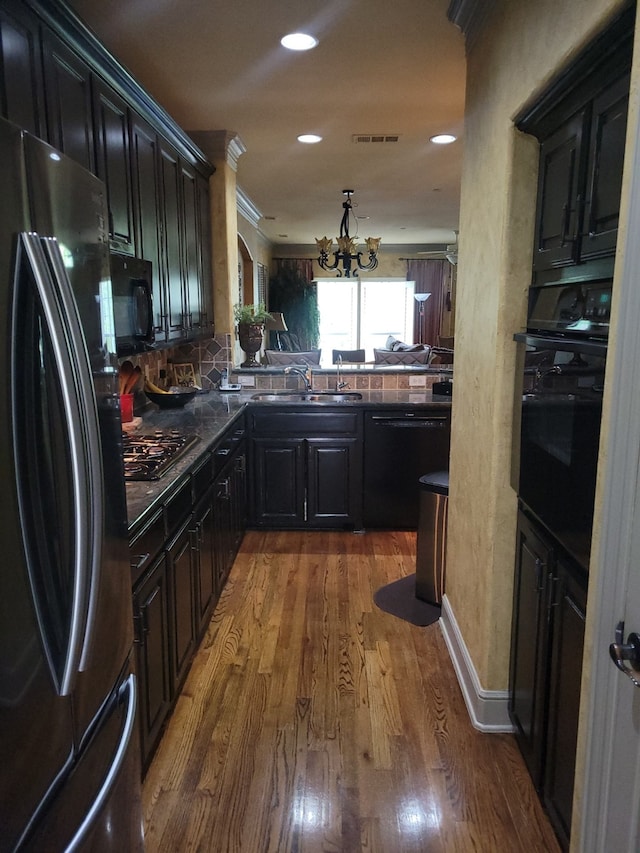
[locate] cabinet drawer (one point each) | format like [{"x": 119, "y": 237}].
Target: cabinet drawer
[
  {"x": 300, "y": 423},
  {"x": 201, "y": 478},
  {"x": 178, "y": 507},
  {"x": 146, "y": 544}
]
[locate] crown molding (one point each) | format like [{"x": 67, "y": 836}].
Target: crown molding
[
  {"x": 220, "y": 145},
  {"x": 247, "y": 208},
  {"x": 469, "y": 16}
]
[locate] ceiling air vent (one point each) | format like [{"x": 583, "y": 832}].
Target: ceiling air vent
[{"x": 375, "y": 137}]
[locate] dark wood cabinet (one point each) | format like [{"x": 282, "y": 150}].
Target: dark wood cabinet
[
  {"x": 21, "y": 85},
  {"x": 152, "y": 643},
  {"x": 529, "y": 644},
  {"x": 547, "y": 641},
  {"x": 568, "y": 609},
  {"x": 561, "y": 194},
  {"x": 204, "y": 546},
  {"x": 279, "y": 479},
  {"x": 334, "y": 482},
  {"x": 204, "y": 242},
  {"x": 181, "y": 556},
  {"x": 307, "y": 469},
  {"x": 113, "y": 163},
  {"x": 68, "y": 101},
  {"x": 58, "y": 82},
  {"x": 172, "y": 266},
  {"x": 604, "y": 171},
  {"x": 146, "y": 200},
  {"x": 580, "y": 121},
  {"x": 181, "y": 571}
]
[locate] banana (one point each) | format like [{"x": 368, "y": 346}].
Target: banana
[{"x": 149, "y": 386}]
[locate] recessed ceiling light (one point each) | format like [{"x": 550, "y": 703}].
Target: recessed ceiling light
[
  {"x": 309, "y": 138},
  {"x": 443, "y": 139},
  {"x": 298, "y": 41}
]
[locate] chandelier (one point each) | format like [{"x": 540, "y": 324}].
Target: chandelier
[{"x": 347, "y": 247}]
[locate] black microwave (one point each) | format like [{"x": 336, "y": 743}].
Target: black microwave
[{"x": 132, "y": 290}]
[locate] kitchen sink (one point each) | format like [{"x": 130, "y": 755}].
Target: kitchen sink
[{"x": 307, "y": 396}]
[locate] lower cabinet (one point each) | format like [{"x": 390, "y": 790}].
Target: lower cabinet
[
  {"x": 307, "y": 469},
  {"x": 546, "y": 664},
  {"x": 151, "y": 618},
  {"x": 182, "y": 564},
  {"x": 181, "y": 559}
]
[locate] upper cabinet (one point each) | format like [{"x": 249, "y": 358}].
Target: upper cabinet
[
  {"x": 58, "y": 82},
  {"x": 67, "y": 86},
  {"x": 114, "y": 162},
  {"x": 21, "y": 90},
  {"x": 581, "y": 124},
  {"x": 604, "y": 170}
]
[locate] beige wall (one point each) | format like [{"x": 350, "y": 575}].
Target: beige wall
[{"x": 522, "y": 47}]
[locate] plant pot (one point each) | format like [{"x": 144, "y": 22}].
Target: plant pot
[{"x": 250, "y": 337}]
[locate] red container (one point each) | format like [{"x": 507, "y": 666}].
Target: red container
[{"x": 126, "y": 408}]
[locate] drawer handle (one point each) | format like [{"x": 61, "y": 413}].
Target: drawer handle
[{"x": 142, "y": 559}]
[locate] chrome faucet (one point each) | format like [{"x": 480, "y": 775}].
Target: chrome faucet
[
  {"x": 304, "y": 373},
  {"x": 340, "y": 385}
]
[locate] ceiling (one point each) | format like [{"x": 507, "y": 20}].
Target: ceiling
[{"x": 380, "y": 68}]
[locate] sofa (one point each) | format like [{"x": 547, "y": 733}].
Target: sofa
[{"x": 397, "y": 352}]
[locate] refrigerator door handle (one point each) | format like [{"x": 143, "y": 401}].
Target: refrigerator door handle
[
  {"x": 128, "y": 693},
  {"x": 71, "y": 362},
  {"x": 94, "y": 511}
]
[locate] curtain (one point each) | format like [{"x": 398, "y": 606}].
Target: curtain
[
  {"x": 430, "y": 277},
  {"x": 293, "y": 292}
]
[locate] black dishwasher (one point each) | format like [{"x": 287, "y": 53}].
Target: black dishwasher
[{"x": 399, "y": 447}]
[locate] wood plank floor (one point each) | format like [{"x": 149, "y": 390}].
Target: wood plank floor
[{"x": 312, "y": 721}]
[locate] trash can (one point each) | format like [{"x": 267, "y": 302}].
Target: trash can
[{"x": 432, "y": 536}]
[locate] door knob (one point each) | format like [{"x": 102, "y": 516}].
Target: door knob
[{"x": 629, "y": 651}]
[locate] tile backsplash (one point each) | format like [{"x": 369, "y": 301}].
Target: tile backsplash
[
  {"x": 210, "y": 357},
  {"x": 207, "y": 357}
]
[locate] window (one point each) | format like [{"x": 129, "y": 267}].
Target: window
[{"x": 358, "y": 314}]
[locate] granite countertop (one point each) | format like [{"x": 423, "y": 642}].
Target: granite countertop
[{"x": 209, "y": 415}]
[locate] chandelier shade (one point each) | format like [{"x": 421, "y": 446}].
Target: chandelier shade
[{"x": 347, "y": 253}]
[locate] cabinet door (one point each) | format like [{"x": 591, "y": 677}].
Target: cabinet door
[
  {"x": 150, "y": 613},
  {"x": 146, "y": 200},
  {"x": 191, "y": 250},
  {"x": 182, "y": 604},
  {"x": 171, "y": 178},
  {"x": 238, "y": 500},
  {"x": 111, "y": 130},
  {"x": 21, "y": 89},
  {"x": 334, "y": 484},
  {"x": 204, "y": 238},
  {"x": 67, "y": 86},
  {"x": 222, "y": 530},
  {"x": 279, "y": 482},
  {"x": 529, "y": 668},
  {"x": 568, "y": 610},
  {"x": 560, "y": 178},
  {"x": 204, "y": 532},
  {"x": 606, "y": 158}
]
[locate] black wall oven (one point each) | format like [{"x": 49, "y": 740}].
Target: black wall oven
[{"x": 561, "y": 409}]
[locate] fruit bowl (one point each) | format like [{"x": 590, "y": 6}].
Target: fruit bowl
[{"x": 171, "y": 400}]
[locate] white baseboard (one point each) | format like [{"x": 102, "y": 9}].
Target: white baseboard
[{"x": 488, "y": 709}]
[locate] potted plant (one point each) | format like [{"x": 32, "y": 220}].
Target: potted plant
[{"x": 250, "y": 320}]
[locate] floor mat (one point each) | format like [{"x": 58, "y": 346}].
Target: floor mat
[{"x": 399, "y": 599}]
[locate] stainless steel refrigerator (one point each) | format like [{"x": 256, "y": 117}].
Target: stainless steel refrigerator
[{"x": 69, "y": 758}]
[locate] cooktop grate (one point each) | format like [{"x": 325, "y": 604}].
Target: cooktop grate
[{"x": 149, "y": 456}]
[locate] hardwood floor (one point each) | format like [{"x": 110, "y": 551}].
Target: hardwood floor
[{"x": 313, "y": 721}]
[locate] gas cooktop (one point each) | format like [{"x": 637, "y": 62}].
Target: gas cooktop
[{"x": 149, "y": 456}]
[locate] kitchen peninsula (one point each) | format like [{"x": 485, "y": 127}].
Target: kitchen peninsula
[{"x": 269, "y": 464}]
